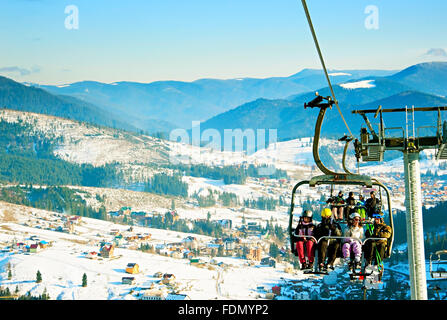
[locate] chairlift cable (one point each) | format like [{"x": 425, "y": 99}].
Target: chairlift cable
[{"x": 309, "y": 20}]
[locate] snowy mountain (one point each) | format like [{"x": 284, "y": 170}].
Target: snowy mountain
[
  {"x": 430, "y": 77},
  {"x": 16, "y": 96},
  {"x": 179, "y": 103}
]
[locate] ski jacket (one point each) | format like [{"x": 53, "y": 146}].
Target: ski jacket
[
  {"x": 380, "y": 230},
  {"x": 354, "y": 232},
  {"x": 305, "y": 228},
  {"x": 327, "y": 228},
  {"x": 372, "y": 206},
  {"x": 339, "y": 200},
  {"x": 350, "y": 201}
]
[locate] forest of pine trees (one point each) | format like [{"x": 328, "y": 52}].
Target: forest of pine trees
[
  {"x": 58, "y": 199},
  {"x": 167, "y": 185},
  {"x": 264, "y": 203},
  {"x": 27, "y": 158}
]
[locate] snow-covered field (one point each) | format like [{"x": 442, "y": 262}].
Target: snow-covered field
[{"x": 358, "y": 84}]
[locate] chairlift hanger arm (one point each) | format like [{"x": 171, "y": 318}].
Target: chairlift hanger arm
[
  {"x": 345, "y": 150},
  {"x": 318, "y": 102}
]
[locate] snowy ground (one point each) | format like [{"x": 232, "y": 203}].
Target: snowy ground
[{"x": 358, "y": 84}]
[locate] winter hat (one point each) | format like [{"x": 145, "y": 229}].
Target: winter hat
[{"x": 354, "y": 215}]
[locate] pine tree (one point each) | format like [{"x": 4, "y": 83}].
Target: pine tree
[
  {"x": 84, "y": 280},
  {"x": 273, "y": 250},
  {"x": 38, "y": 277},
  {"x": 9, "y": 274},
  {"x": 220, "y": 251},
  {"x": 45, "y": 295}
]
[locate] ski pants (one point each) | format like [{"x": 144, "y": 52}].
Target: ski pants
[
  {"x": 328, "y": 248},
  {"x": 354, "y": 247},
  {"x": 309, "y": 247},
  {"x": 370, "y": 250},
  {"x": 337, "y": 212}
]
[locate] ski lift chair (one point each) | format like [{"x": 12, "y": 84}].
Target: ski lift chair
[
  {"x": 438, "y": 267},
  {"x": 342, "y": 180}
]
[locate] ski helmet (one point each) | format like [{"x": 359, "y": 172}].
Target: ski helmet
[
  {"x": 377, "y": 215},
  {"x": 326, "y": 213},
  {"x": 308, "y": 213}
]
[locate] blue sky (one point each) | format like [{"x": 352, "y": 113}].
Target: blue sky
[{"x": 149, "y": 40}]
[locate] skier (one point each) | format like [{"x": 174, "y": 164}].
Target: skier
[
  {"x": 377, "y": 248},
  {"x": 350, "y": 205},
  {"x": 305, "y": 227},
  {"x": 361, "y": 208},
  {"x": 327, "y": 247},
  {"x": 372, "y": 205},
  {"x": 338, "y": 206},
  {"x": 353, "y": 242}
]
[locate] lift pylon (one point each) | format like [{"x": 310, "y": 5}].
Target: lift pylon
[{"x": 372, "y": 146}]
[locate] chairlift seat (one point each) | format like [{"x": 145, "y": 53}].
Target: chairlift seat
[
  {"x": 439, "y": 274},
  {"x": 354, "y": 179}
]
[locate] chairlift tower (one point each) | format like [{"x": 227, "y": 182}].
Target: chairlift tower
[{"x": 372, "y": 146}]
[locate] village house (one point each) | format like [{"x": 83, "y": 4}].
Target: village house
[
  {"x": 168, "y": 278},
  {"x": 115, "y": 232},
  {"x": 107, "y": 250},
  {"x": 76, "y": 219},
  {"x": 229, "y": 244},
  {"x": 118, "y": 240},
  {"x": 69, "y": 226},
  {"x": 173, "y": 246},
  {"x": 154, "y": 295},
  {"x": 188, "y": 254},
  {"x": 174, "y": 215},
  {"x": 268, "y": 261},
  {"x": 132, "y": 237},
  {"x": 127, "y": 280},
  {"x": 113, "y": 213},
  {"x": 225, "y": 223},
  {"x": 126, "y": 211},
  {"x": 92, "y": 255},
  {"x": 44, "y": 244},
  {"x": 173, "y": 296},
  {"x": 33, "y": 248},
  {"x": 176, "y": 254},
  {"x": 195, "y": 261},
  {"x": 132, "y": 268},
  {"x": 163, "y": 251},
  {"x": 254, "y": 254},
  {"x": 190, "y": 243},
  {"x": 144, "y": 236}
]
